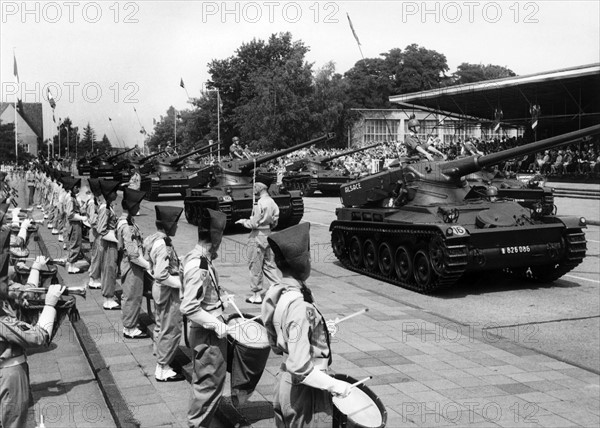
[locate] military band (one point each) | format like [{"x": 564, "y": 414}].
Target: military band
[{"x": 187, "y": 295}]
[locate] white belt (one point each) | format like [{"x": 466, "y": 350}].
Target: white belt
[{"x": 11, "y": 362}]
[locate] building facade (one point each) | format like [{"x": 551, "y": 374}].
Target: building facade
[
  {"x": 30, "y": 124},
  {"x": 377, "y": 125}
]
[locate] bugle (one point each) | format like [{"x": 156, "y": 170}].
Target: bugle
[{"x": 69, "y": 291}]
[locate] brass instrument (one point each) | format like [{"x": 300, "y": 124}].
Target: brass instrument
[{"x": 69, "y": 291}]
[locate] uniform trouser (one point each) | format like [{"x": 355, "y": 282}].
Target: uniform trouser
[
  {"x": 167, "y": 330},
  {"x": 108, "y": 278},
  {"x": 262, "y": 263},
  {"x": 95, "y": 256},
  {"x": 14, "y": 396},
  {"x": 208, "y": 378},
  {"x": 38, "y": 196},
  {"x": 300, "y": 405},
  {"x": 132, "y": 282},
  {"x": 75, "y": 251},
  {"x": 66, "y": 231},
  {"x": 31, "y": 194},
  {"x": 52, "y": 214},
  {"x": 61, "y": 222}
]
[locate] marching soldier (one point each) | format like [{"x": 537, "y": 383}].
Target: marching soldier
[
  {"x": 265, "y": 216},
  {"x": 92, "y": 214},
  {"x": 164, "y": 264},
  {"x": 133, "y": 264},
  {"x": 75, "y": 216},
  {"x": 202, "y": 305},
  {"x": 107, "y": 223},
  {"x": 298, "y": 332}
]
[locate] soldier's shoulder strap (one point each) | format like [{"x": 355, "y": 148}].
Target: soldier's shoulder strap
[{"x": 282, "y": 306}]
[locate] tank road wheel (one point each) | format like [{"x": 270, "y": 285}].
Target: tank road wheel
[
  {"x": 424, "y": 274},
  {"x": 337, "y": 244},
  {"x": 385, "y": 259},
  {"x": 356, "y": 252},
  {"x": 403, "y": 264},
  {"x": 437, "y": 255},
  {"x": 370, "y": 255}
]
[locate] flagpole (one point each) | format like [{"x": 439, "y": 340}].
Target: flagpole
[
  {"x": 16, "y": 73},
  {"x": 175, "y": 123},
  {"x": 218, "y": 125}
]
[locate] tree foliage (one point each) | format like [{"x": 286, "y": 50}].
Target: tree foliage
[
  {"x": 88, "y": 142},
  {"x": 469, "y": 73}
]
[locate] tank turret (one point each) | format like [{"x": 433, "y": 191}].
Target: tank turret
[
  {"x": 423, "y": 225},
  {"x": 143, "y": 159},
  {"x": 117, "y": 155},
  {"x": 238, "y": 171},
  {"x": 108, "y": 168},
  {"x": 173, "y": 164}
]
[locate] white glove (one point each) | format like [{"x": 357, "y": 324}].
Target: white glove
[
  {"x": 209, "y": 322},
  {"x": 172, "y": 281},
  {"x": 53, "y": 294},
  {"x": 320, "y": 380}
]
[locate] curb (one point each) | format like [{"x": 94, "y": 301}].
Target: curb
[{"x": 115, "y": 401}]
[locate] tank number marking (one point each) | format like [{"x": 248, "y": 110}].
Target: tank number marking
[
  {"x": 352, "y": 187},
  {"x": 516, "y": 250},
  {"x": 227, "y": 198},
  {"x": 458, "y": 230}
]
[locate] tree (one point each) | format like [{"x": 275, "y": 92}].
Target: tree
[
  {"x": 469, "y": 73},
  {"x": 103, "y": 145},
  {"x": 164, "y": 132},
  {"x": 421, "y": 69},
  {"x": 88, "y": 142},
  {"x": 265, "y": 89},
  {"x": 7, "y": 141},
  {"x": 68, "y": 139},
  {"x": 329, "y": 103}
]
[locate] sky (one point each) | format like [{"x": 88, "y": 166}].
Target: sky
[{"x": 103, "y": 59}]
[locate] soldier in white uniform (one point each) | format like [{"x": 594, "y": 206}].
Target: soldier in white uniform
[
  {"x": 265, "y": 215},
  {"x": 202, "y": 305}
]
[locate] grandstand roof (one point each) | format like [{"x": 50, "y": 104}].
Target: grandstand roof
[{"x": 569, "y": 98}]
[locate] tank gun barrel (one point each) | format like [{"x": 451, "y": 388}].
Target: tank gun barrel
[
  {"x": 179, "y": 159},
  {"x": 113, "y": 157},
  {"x": 249, "y": 164},
  {"x": 465, "y": 166},
  {"x": 324, "y": 159},
  {"x": 147, "y": 158}
]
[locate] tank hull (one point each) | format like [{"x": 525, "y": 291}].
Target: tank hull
[
  {"x": 326, "y": 182},
  {"x": 167, "y": 183},
  {"x": 236, "y": 202},
  {"x": 429, "y": 255}
]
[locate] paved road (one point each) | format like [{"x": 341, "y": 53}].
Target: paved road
[{"x": 562, "y": 319}]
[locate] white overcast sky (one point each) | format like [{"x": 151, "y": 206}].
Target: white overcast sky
[{"x": 133, "y": 54}]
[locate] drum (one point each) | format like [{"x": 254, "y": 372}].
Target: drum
[
  {"x": 362, "y": 408},
  {"x": 30, "y": 310},
  {"x": 247, "y": 354},
  {"x": 47, "y": 276}
]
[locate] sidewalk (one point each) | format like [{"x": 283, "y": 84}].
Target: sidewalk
[{"x": 427, "y": 370}]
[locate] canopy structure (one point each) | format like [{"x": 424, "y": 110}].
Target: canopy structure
[{"x": 568, "y": 99}]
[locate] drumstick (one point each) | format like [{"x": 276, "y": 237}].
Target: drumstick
[
  {"x": 246, "y": 320},
  {"x": 230, "y": 298},
  {"x": 360, "y": 382},
  {"x": 362, "y": 311}
]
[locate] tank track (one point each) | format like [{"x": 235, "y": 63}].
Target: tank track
[
  {"x": 300, "y": 183},
  {"x": 575, "y": 250},
  {"x": 454, "y": 256}
]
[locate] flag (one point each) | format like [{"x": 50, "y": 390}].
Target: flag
[
  {"x": 15, "y": 70},
  {"x": 20, "y": 106},
  {"x": 352, "y": 28},
  {"x": 109, "y": 119},
  {"x": 497, "y": 127},
  {"x": 134, "y": 110},
  {"x": 51, "y": 100},
  {"x": 535, "y": 113},
  {"x": 181, "y": 83}
]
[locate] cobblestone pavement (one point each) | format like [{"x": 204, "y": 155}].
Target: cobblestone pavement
[{"x": 427, "y": 370}]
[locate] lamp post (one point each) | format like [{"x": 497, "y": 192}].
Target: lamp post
[{"x": 218, "y": 121}]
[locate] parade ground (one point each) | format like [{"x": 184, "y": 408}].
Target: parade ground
[{"x": 491, "y": 351}]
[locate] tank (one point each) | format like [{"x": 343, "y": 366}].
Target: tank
[
  {"x": 111, "y": 168},
  {"x": 231, "y": 190},
  {"x": 423, "y": 226},
  {"x": 315, "y": 173},
  {"x": 169, "y": 176},
  {"x": 84, "y": 165},
  {"x": 144, "y": 164}
]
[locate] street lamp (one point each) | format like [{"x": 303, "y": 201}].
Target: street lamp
[{"x": 218, "y": 120}]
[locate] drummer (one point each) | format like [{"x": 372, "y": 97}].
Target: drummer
[
  {"x": 203, "y": 303},
  {"x": 298, "y": 332}
]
